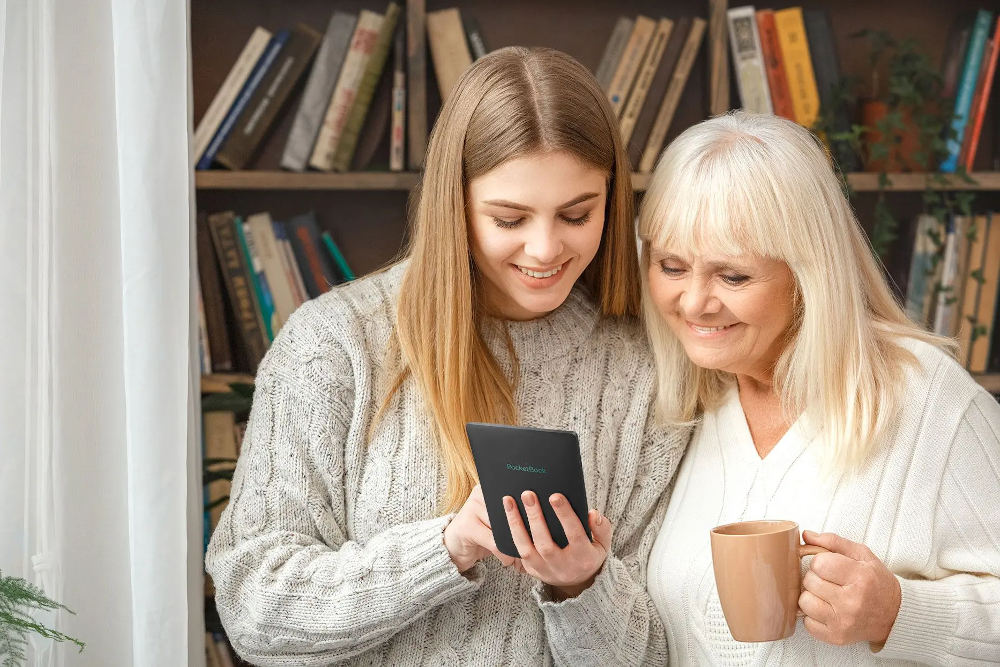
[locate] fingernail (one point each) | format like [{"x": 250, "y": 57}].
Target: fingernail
[
  {"x": 600, "y": 519},
  {"x": 528, "y": 498},
  {"x": 508, "y": 503},
  {"x": 556, "y": 500}
]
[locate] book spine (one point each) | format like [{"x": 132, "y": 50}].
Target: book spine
[
  {"x": 230, "y": 88},
  {"x": 204, "y": 348},
  {"x": 718, "y": 63},
  {"x": 613, "y": 51},
  {"x": 748, "y": 60},
  {"x": 984, "y": 67},
  {"x": 397, "y": 132},
  {"x": 449, "y": 49},
  {"x": 777, "y": 81},
  {"x": 921, "y": 267},
  {"x": 798, "y": 65},
  {"x": 981, "y": 347},
  {"x": 313, "y": 260},
  {"x": 970, "y": 71},
  {"x": 366, "y": 88},
  {"x": 269, "y": 99},
  {"x": 973, "y": 279},
  {"x": 291, "y": 266},
  {"x": 264, "y": 246},
  {"x": 236, "y": 276},
  {"x": 673, "y": 95},
  {"x": 260, "y": 70},
  {"x": 319, "y": 88},
  {"x": 416, "y": 82},
  {"x": 264, "y": 301},
  {"x": 979, "y": 110},
  {"x": 628, "y": 67},
  {"x": 654, "y": 54},
  {"x": 211, "y": 290},
  {"x": 362, "y": 45},
  {"x": 338, "y": 257},
  {"x": 477, "y": 44}
]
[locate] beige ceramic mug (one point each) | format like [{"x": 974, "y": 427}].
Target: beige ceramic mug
[{"x": 758, "y": 576}]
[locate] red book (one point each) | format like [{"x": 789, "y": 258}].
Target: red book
[
  {"x": 981, "y": 100},
  {"x": 777, "y": 80}
]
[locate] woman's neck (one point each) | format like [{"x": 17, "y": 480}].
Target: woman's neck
[{"x": 762, "y": 408}]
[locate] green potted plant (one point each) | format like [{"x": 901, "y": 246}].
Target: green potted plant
[{"x": 18, "y": 599}]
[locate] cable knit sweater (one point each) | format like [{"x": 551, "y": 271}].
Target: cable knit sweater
[
  {"x": 331, "y": 548},
  {"x": 927, "y": 504}
]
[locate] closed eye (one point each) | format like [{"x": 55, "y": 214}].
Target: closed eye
[
  {"x": 581, "y": 220},
  {"x": 735, "y": 280},
  {"x": 507, "y": 223}
]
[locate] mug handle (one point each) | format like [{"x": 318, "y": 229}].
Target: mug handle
[{"x": 808, "y": 550}]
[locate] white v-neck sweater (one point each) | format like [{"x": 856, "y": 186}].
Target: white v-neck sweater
[
  {"x": 331, "y": 548},
  {"x": 928, "y": 505}
]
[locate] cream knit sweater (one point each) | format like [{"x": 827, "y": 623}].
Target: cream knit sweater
[
  {"x": 331, "y": 548},
  {"x": 928, "y": 505}
]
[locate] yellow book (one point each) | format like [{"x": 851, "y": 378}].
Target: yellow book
[{"x": 798, "y": 65}]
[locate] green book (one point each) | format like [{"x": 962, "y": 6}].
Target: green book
[
  {"x": 366, "y": 89},
  {"x": 338, "y": 257},
  {"x": 255, "y": 281}
]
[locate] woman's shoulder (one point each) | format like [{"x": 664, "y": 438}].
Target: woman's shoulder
[{"x": 937, "y": 378}]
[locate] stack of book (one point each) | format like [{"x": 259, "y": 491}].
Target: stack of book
[
  {"x": 255, "y": 272},
  {"x": 953, "y": 282}
]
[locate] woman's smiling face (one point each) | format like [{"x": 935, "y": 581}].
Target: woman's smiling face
[{"x": 731, "y": 313}]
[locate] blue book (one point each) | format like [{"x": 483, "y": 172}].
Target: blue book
[
  {"x": 258, "y": 292},
  {"x": 270, "y": 54},
  {"x": 967, "y": 87}
]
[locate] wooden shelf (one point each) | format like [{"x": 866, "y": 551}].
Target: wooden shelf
[
  {"x": 406, "y": 180},
  {"x": 990, "y": 381}
]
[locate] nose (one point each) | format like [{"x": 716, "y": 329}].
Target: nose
[
  {"x": 543, "y": 242},
  {"x": 698, "y": 299}
]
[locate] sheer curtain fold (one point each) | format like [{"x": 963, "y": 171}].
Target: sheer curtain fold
[{"x": 98, "y": 446}]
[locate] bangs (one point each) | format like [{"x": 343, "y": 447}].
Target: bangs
[{"x": 726, "y": 200}]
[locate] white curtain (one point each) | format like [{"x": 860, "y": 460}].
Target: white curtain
[{"x": 99, "y": 490}]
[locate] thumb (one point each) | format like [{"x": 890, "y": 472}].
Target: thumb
[
  {"x": 836, "y": 544},
  {"x": 600, "y": 528}
]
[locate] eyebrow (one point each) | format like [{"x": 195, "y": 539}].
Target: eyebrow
[{"x": 521, "y": 207}]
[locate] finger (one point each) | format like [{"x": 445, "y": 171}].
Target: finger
[
  {"x": 835, "y": 568},
  {"x": 814, "y": 607},
  {"x": 817, "y": 629},
  {"x": 837, "y": 544},
  {"x": 571, "y": 525},
  {"x": 517, "y": 530},
  {"x": 540, "y": 536},
  {"x": 600, "y": 528},
  {"x": 820, "y": 587},
  {"x": 504, "y": 559}
]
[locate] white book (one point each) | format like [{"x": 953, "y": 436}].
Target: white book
[
  {"x": 748, "y": 59},
  {"x": 227, "y": 93},
  {"x": 266, "y": 249},
  {"x": 301, "y": 294}
]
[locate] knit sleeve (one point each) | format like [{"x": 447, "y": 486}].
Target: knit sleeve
[
  {"x": 290, "y": 587},
  {"x": 954, "y": 618},
  {"x": 614, "y": 621}
]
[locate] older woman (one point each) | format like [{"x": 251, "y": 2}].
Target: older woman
[{"x": 815, "y": 400}]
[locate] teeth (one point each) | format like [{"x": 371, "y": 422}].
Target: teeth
[
  {"x": 540, "y": 274},
  {"x": 707, "y": 329}
]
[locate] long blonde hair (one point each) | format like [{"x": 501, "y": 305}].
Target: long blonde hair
[
  {"x": 758, "y": 184},
  {"x": 511, "y": 103}
]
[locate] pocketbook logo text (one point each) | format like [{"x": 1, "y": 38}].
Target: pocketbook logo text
[{"x": 540, "y": 471}]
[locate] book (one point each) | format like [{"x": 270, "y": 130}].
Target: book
[
  {"x": 949, "y": 289},
  {"x": 317, "y": 268},
  {"x": 774, "y": 65},
  {"x": 204, "y": 351},
  {"x": 416, "y": 83},
  {"x": 210, "y": 282},
  {"x": 966, "y": 88},
  {"x": 631, "y": 61},
  {"x": 372, "y": 150},
  {"x": 798, "y": 65},
  {"x": 981, "y": 100},
  {"x": 265, "y": 301},
  {"x": 657, "y": 89},
  {"x": 319, "y": 88},
  {"x": 236, "y": 276},
  {"x": 397, "y": 131},
  {"x": 449, "y": 48},
  {"x": 954, "y": 52},
  {"x": 972, "y": 287},
  {"x": 748, "y": 59},
  {"x": 265, "y": 247},
  {"x": 220, "y": 454},
  {"x": 230, "y": 88},
  {"x": 474, "y": 34},
  {"x": 613, "y": 51},
  {"x": 982, "y": 348},
  {"x": 362, "y": 45},
  {"x": 366, "y": 89},
  {"x": 718, "y": 63},
  {"x": 922, "y": 263},
  {"x": 338, "y": 257},
  {"x": 269, "y": 98},
  {"x": 290, "y": 263},
  {"x": 826, "y": 69},
  {"x": 260, "y": 69},
  {"x": 668, "y": 106},
  {"x": 644, "y": 79}
]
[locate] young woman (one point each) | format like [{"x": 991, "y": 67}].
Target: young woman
[
  {"x": 816, "y": 401},
  {"x": 355, "y": 529}
]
